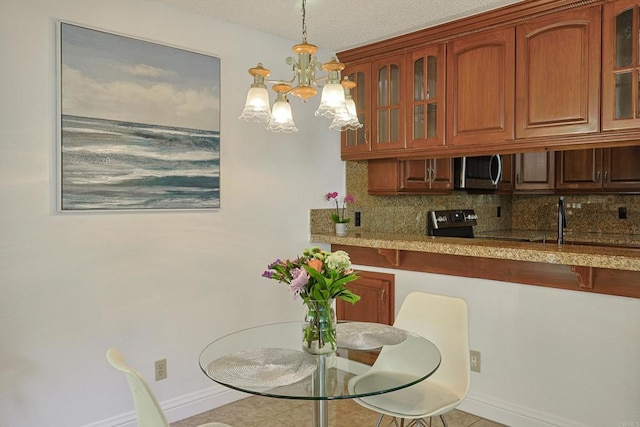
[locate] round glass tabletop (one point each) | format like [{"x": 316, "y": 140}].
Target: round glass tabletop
[{"x": 268, "y": 360}]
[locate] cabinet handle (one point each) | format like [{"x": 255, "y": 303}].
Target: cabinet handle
[
  {"x": 606, "y": 176},
  {"x": 382, "y": 296},
  {"x": 366, "y": 136},
  {"x": 598, "y": 176},
  {"x": 518, "y": 178}
]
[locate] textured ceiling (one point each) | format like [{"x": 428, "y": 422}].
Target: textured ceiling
[{"x": 337, "y": 25}]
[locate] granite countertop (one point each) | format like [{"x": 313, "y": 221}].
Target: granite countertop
[
  {"x": 570, "y": 237},
  {"x": 595, "y": 255}
]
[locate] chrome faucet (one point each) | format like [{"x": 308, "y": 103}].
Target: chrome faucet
[{"x": 562, "y": 219}]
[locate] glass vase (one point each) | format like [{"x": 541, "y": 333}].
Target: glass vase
[{"x": 319, "y": 327}]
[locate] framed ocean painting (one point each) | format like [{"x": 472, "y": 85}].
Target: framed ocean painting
[{"x": 139, "y": 124}]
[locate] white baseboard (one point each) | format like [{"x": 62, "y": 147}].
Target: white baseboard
[
  {"x": 511, "y": 414},
  {"x": 488, "y": 407},
  {"x": 181, "y": 407}
]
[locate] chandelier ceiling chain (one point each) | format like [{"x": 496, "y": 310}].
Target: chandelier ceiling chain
[
  {"x": 336, "y": 102},
  {"x": 304, "y": 21}
]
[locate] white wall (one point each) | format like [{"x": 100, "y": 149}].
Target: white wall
[
  {"x": 156, "y": 285},
  {"x": 549, "y": 356}
]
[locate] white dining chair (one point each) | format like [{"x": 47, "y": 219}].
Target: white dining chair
[
  {"x": 444, "y": 321},
  {"x": 148, "y": 410}
]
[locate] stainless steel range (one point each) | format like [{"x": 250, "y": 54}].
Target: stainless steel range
[{"x": 451, "y": 223}]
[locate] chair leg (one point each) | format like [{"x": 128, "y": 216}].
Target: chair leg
[{"x": 444, "y": 422}]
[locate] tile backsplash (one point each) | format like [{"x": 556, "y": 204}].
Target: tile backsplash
[{"x": 407, "y": 214}]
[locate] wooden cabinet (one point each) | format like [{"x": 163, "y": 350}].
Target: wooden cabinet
[
  {"x": 579, "y": 169},
  {"x": 358, "y": 141},
  {"x": 425, "y": 96},
  {"x": 535, "y": 172},
  {"x": 607, "y": 169},
  {"x": 558, "y": 74},
  {"x": 426, "y": 176},
  {"x": 480, "y": 88},
  {"x": 508, "y": 174},
  {"x": 387, "y": 97},
  {"x": 377, "y": 299},
  {"x": 620, "y": 65}
]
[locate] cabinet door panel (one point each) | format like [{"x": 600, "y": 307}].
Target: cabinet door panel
[
  {"x": 480, "y": 88},
  {"x": 388, "y": 103},
  {"x": 425, "y": 97},
  {"x": 415, "y": 174},
  {"x": 620, "y": 65},
  {"x": 535, "y": 171},
  {"x": 579, "y": 169},
  {"x": 558, "y": 74},
  {"x": 357, "y": 141},
  {"x": 441, "y": 174},
  {"x": 377, "y": 300},
  {"x": 622, "y": 168}
]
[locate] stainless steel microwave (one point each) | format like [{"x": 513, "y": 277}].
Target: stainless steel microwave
[{"x": 480, "y": 172}]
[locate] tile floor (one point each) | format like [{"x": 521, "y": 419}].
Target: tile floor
[{"x": 259, "y": 411}]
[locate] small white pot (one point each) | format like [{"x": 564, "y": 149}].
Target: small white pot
[{"x": 341, "y": 229}]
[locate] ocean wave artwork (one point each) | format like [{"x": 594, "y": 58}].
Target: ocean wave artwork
[
  {"x": 139, "y": 124},
  {"x": 110, "y": 164}
]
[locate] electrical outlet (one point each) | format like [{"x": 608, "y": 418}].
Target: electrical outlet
[
  {"x": 161, "y": 369},
  {"x": 475, "y": 360},
  {"x": 622, "y": 212},
  {"x": 357, "y": 219}
]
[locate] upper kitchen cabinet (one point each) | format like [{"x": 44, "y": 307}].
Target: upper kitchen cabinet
[
  {"x": 425, "y": 97},
  {"x": 535, "y": 172},
  {"x": 358, "y": 141},
  {"x": 558, "y": 74},
  {"x": 620, "y": 65},
  {"x": 388, "y": 91},
  {"x": 395, "y": 176},
  {"x": 612, "y": 170},
  {"x": 480, "y": 88}
]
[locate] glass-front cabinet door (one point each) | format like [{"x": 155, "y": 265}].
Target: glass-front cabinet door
[
  {"x": 425, "y": 95},
  {"x": 358, "y": 141},
  {"x": 388, "y": 109},
  {"x": 620, "y": 65}
]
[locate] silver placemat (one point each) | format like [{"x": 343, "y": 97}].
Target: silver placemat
[
  {"x": 262, "y": 367},
  {"x": 367, "y": 336}
]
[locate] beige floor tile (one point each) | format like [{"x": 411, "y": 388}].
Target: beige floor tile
[{"x": 256, "y": 411}]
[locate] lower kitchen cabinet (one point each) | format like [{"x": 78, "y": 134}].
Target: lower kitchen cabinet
[
  {"x": 377, "y": 299},
  {"x": 426, "y": 176}
]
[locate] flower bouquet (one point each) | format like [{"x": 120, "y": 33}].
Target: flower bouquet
[{"x": 318, "y": 277}]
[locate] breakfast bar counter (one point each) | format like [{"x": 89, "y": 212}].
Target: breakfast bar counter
[{"x": 592, "y": 268}]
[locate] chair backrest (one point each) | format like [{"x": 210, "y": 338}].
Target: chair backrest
[
  {"x": 444, "y": 321},
  {"x": 148, "y": 410}
]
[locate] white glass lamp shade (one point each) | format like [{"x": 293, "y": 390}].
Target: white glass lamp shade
[
  {"x": 332, "y": 100},
  {"x": 256, "y": 109},
  {"x": 281, "y": 118},
  {"x": 347, "y": 118}
]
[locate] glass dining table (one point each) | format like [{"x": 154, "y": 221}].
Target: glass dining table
[{"x": 268, "y": 360}]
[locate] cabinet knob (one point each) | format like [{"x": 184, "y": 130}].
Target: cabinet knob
[
  {"x": 366, "y": 136},
  {"x": 598, "y": 176},
  {"x": 606, "y": 176}
]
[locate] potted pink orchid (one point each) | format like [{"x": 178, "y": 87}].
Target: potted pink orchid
[{"x": 339, "y": 217}]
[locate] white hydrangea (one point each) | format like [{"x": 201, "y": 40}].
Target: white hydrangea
[{"x": 338, "y": 261}]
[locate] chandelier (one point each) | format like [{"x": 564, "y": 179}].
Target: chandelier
[{"x": 335, "y": 103}]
